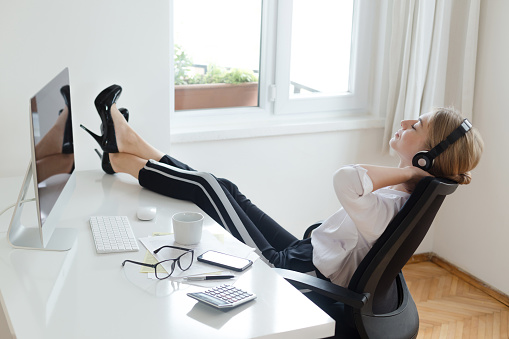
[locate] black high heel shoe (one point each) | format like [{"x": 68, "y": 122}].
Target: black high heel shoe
[
  {"x": 105, "y": 162},
  {"x": 105, "y": 157},
  {"x": 103, "y": 103},
  {"x": 67, "y": 145}
]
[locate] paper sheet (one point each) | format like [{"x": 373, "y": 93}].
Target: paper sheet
[{"x": 208, "y": 242}]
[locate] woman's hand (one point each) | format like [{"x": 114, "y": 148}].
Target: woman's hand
[{"x": 396, "y": 177}]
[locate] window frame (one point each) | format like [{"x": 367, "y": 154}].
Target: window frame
[{"x": 285, "y": 115}]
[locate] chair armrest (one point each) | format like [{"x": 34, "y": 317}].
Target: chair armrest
[{"x": 323, "y": 287}]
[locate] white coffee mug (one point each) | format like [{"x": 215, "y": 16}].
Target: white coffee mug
[{"x": 187, "y": 227}]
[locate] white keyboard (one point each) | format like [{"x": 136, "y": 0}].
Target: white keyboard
[{"x": 113, "y": 234}]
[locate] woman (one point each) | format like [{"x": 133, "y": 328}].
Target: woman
[{"x": 370, "y": 195}]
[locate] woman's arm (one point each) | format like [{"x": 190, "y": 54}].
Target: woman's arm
[
  {"x": 354, "y": 184},
  {"x": 382, "y": 176}
]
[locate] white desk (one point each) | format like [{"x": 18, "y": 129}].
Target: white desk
[{"x": 81, "y": 294}]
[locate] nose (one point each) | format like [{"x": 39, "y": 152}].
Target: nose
[{"x": 407, "y": 123}]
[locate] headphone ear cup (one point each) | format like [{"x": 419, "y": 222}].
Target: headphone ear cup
[{"x": 422, "y": 160}]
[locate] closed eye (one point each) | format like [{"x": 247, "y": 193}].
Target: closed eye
[{"x": 413, "y": 126}]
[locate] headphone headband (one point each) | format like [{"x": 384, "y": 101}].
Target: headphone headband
[{"x": 425, "y": 159}]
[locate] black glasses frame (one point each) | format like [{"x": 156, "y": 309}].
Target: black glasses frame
[{"x": 174, "y": 260}]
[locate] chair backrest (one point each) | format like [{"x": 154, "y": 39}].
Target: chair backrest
[{"x": 378, "y": 270}]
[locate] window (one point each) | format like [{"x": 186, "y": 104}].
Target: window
[
  {"x": 298, "y": 56},
  {"x": 318, "y": 60},
  {"x": 217, "y": 53},
  {"x": 320, "y": 47}
]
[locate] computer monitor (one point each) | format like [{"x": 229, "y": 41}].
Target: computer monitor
[{"x": 50, "y": 170}]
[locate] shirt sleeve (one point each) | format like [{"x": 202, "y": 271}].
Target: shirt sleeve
[{"x": 354, "y": 189}]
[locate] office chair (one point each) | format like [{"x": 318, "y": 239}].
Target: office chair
[{"x": 377, "y": 302}]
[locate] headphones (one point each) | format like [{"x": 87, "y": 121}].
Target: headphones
[{"x": 424, "y": 159}]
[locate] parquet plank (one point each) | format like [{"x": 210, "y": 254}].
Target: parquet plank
[
  {"x": 481, "y": 328},
  {"x": 466, "y": 330},
  {"x": 496, "y": 325},
  {"x": 504, "y": 324},
  {"x": 444, "y": 331},
  {"x": 490, "y": 318},
  {"x": 459, "y": 330},
  {"x": 474, "y": 328},
  {"x": 436, "y": 332}
]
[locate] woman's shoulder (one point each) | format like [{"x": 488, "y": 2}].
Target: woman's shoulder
[{"x": 352, "y": 178}]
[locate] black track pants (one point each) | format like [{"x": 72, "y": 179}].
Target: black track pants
[{"x": 223, "y": 202}]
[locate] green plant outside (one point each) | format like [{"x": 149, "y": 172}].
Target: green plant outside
[
  {"x": 183, "y": 65},
  {"x": 214, "y": 75}
]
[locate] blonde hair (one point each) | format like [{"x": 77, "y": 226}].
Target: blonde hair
[{"x": 460, "y": 158}]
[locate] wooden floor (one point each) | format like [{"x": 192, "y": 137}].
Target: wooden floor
[{"x": 451, "y": 308}]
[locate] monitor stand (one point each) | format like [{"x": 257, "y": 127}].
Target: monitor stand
[{"x": 20, "y": 236}]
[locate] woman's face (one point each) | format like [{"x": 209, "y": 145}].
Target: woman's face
[{"x": 410, "y": 138}]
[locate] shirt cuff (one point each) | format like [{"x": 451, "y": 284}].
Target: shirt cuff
[{"x": 367, "y": 184}]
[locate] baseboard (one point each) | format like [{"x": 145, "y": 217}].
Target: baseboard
[
  {"x": 417, "y": 258},
  {"x": 465, "y": 276}
]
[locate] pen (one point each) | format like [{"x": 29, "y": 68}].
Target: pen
[{"x": 209, "y": 277}]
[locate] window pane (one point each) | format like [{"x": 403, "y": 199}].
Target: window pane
[
  {"x": 217, "y": 53},
  {"x": 320, "y": 54}
]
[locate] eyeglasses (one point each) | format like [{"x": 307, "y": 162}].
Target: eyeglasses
[{"x": 184, "y": 262}]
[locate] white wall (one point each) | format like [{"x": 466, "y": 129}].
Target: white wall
[
  {"x": 472, "y": 231},
  {"x": 102, "y": 42}
]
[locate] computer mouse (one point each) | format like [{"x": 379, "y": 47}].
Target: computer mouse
[{"x": 146, "y": 213}]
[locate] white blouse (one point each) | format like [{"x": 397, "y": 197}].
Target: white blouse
[{"x": 344, "y": 239}]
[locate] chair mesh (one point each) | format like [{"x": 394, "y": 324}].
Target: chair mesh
[{"x": 378, "y": 270}]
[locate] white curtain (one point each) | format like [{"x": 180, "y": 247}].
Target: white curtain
[{"x": 430, "y": 52}]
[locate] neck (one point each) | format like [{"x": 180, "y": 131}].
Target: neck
[
  {"x": 403, "y": 187},
  {"x": 403, "y": 163}
]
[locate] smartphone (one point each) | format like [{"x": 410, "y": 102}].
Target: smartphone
[{"x": 225, "y": 260}]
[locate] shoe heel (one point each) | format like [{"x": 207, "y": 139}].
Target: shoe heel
[
  {"x": 95, "y": 136},
  {"x": 105, "y": 162}
]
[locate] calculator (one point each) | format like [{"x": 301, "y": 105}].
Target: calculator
[{"x": 224, "y": 296}]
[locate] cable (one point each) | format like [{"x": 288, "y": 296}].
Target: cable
[{"x": 11, "y": 206}]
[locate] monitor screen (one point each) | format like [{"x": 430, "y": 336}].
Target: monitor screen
[
  {"x": 50, "y": 170},
  {"x": 52, "y": 141}
]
